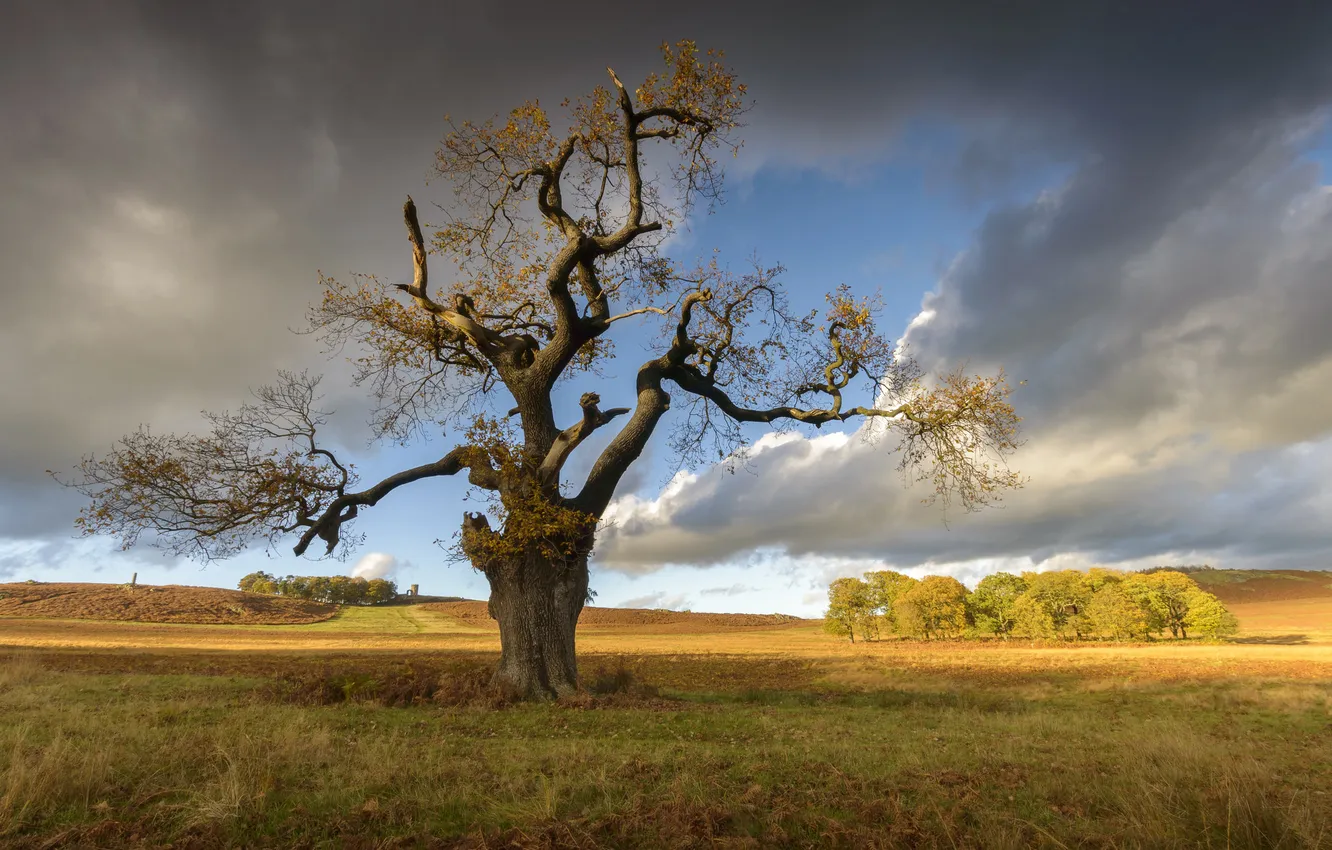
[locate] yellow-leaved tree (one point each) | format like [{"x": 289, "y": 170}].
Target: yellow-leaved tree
[
  {"x": 885, "y": 588},
  {"x": 851, "y": 610},
  {"x": 934, "y": 607}
]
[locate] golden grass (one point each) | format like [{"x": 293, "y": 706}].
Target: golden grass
[
  {"x": 408, "y": 629},
  {"x": 781, "y": 756},
  {"x": 112, "y": 732},
  {"x": 120, "y": 734},
  {"x": 1302, "y": 620}
]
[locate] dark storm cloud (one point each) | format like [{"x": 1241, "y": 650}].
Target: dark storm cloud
[
  {"x": 162, "y": 221},
  {"x": 174, "y": 173}
]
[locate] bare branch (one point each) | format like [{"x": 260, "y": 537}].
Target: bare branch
[
  {"x": 328, "y": 525},
  {"x": 569, "y": 438},
  {"x": 689, "y": 379},
  {"x": 957, "y": 436},
  {"x": 260, "y": 473},
  {"x": 660, "y": 311},
  {"x": 420, "y": 369},
  {"x": 653, "y": 402},
  {"x": 460, "y": 317}
]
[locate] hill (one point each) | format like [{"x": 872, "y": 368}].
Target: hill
[
  {"x": 1239, "y": 587},
  {"x": 170, "y": 603},
  {"x": 638, "y": 619}
]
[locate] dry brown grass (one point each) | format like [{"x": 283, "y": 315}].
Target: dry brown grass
[
  {"x": 155, "y": 604},
  {"x": 20, "y": 668}
]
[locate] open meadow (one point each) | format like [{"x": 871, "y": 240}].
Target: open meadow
[{"x": 373, "y": 728}]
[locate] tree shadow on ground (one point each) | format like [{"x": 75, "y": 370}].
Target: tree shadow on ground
[{"x": 1274, "y": 640}]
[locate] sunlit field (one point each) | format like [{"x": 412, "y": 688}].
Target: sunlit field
[
  {"x": 1293, "y": 621},
  {"x": 374, "y": 729}
]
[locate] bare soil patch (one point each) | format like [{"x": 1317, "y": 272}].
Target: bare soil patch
[
  {"x": 639, "y": 619},
  {"x": 156, "y": 604}
]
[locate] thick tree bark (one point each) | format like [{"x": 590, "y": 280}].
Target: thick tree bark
[{"x": 537, "y": 604}]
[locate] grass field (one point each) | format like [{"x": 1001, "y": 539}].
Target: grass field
[
  {"x": 1292, "y": 621},
  {"x": 371, "y": 729}
]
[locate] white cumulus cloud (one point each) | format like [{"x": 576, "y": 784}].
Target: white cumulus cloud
[{"x": 375, "y": 565}]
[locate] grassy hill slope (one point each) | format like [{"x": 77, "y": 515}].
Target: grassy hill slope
[{"x": 1238, "y": 587}]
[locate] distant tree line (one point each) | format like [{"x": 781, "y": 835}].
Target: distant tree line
[
  {"x": 339, "y": 590},
  {"x": 1099, "y": 604},
  {"x": 1182, "y": 568}
]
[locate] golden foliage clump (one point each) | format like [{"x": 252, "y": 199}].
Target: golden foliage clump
[
  {"x": 956, "y": 436},
  {"x": 692, "y": 87},
  {"x": 533, "y": 521},
  {"x": 853, "y": 334},
  {"x": 934, "y": 607}
]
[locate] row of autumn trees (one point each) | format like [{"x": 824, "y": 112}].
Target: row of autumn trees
[
  {"x": 339, "y": 590},
  {"x": 1066, "y": 604}
]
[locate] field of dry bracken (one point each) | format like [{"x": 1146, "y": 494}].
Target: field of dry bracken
[{"x": 374, "y": 729}]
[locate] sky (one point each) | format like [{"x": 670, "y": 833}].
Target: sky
[{"x": 1126, "y": 205}]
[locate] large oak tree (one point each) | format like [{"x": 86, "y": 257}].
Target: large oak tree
[{"x": 555, "y": 238}]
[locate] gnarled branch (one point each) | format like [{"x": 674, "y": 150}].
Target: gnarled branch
[
  {"x": 489, "y": 342},
  {"x": 328, "y": 525},
  {"x": 628, "y": 445},
  {"x": 569, "y": 438}
]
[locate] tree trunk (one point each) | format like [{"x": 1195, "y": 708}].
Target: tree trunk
[{"x": 537, "y": 604}]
